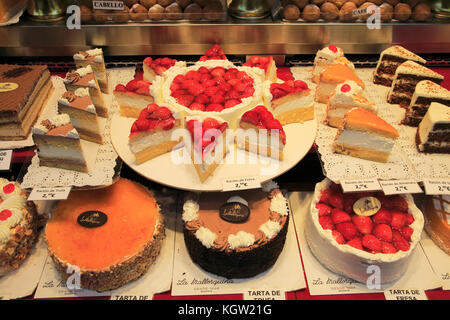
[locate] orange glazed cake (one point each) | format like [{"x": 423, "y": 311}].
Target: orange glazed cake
[
  {"x": 113, "y": 234},
  {"x": 437, "y": 220}
]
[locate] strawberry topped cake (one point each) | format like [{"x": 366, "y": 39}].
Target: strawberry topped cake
[
  {"x": 214, "y": 53},
  {"x": 265, "y": 63},
  {"x": 133, "y": 97},
  {"x": 151, "y": 133},
  {"x": 290, "y": 101},
  {"x": 261, "y": 133},
  {"x": 157, "y": 67},
  {"x": 350, "y": 232}
]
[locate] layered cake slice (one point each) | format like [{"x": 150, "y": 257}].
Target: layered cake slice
[
  {"x": 95, "y": 59},
  {"x": 151, "y": 134},
  {"x": 78, "y": 105},
  {"x": 157, "y": 67},
  {"x": 133, "y": 97},
  {"x": 290, "y": 101},
  {"x": 326, "y": 57},
  {"x": 437, "y": 220},
  {"x": 85, "y": 78},
  {"x": 346, "y": 96},
  {"x": 365, "y": 135},
  {"x": 266, "y": 63},
  {"x": 331, "y": 77},
  {"x": 426, "y": 92},
  {"x": 261, "y": 133},
  {"x": 24, "y": 91},
  {"x": 407, "y": 76},
  {"x": 58, "y": 144},
  {"x": 389, "y": 61},
  {"x": 433, "y": 133},
  {"x": 209, "y": 145}
]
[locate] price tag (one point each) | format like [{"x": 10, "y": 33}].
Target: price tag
[
  {"x": 405, "y": 294},
  {"x": 242, "y": 183},
  {"x": 360, "y": 185},
  {"x": 436, "y": 186},
  {"x": 57, "y": 193},
  {"x": 5, "y": 159},
  {"x": 400, "y": 186},
  {"x": 264, "y": 294}
]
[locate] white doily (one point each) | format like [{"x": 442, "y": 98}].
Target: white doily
[
  {"x": 102, "y": 158},
  {"x": 339, "y": 167}
]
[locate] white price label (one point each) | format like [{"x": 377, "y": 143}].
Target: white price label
[
  {"x": 400, "y": 186},
  {"x": 360, "y": 185},
  {"x": 264, "y": 294},
  {"x": 57, "y": 193},
  {"x": 107, "y": 5},
  {"x": 436, "y": 186},
  {"x": 241, "y": 183},
  {"x": 405, "y": 294},
  {"x": 5, "y": 159}
]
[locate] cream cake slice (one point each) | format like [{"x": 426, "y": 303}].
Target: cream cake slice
[
  {"x": 326, "y": 57},
  {"x": 157, "y": 67},
  {"x": 365, "y": 135},
  {"x": 261, "y": 133},
  {"x": 85, "y": 78},
  {"x": 58, "y": 144},
  {"x": 83, "y": 116},
  {"x": 290, "y": 101},
  {"x": 95, "y": 59},
  {"x": 133, "y": 97},
  {"x": 152, "y": 134},
  {"x": 266, "y": 63},
  {"x": 346, "y": 96},
  {"x": 433, "y": 133}
]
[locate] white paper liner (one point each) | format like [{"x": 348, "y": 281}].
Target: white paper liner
[{"x": 101, "y": 159}]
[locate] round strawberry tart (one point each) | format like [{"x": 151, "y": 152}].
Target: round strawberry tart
[
  {"x": 112, "y": 235},
  {"x": 18, "y": 226},
  {"x": 236, "y": 234},
  {"x": 349, "y": 232}
]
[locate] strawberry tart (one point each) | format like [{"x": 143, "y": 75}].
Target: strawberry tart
[
  {"x": 18, "y": 226},
  {"x": 157, "y": 67},
  {"x": 290, "y": 101},
  {"x": 349, "y": 232},
  {"x": 261, "y": 133},
  {"x": 151, "y": 133},
  {"x": 214, "y": 53},
  {"x": 133, "y": 97},
  {"x": 266, "y": 63}
]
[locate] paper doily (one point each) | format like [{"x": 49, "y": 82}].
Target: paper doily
[{"x": 101, "y": 171}]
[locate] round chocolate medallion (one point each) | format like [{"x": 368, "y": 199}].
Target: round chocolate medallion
[
  {"x": 234, "y": 212},
  {"x": 92, "y": 219}
]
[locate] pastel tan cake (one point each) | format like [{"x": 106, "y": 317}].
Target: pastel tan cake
[
  {"x": 326, "y": 57},
  {"x": 113, "y": 235},
  {"x": 437, "y": 220},
  {"x": 236, "y": 234},
  {"x": 18, "y": 226},
  {"x": 95, "y": 59},
  {"x": 24, "y": 91}
]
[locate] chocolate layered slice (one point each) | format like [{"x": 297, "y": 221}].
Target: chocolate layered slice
[
  {"x": 23, "y": 92},
  {"x": 407, "y": 76},
  {"x": 425, "y": 93},
  {"x": 433, "y": 133},
  {"x": 390, "y": 60}
]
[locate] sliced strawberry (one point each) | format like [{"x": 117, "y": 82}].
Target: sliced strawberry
[
  {"x": 326, "y": 222},
  {"x": 348, "y": 230},
  {"x": 142, "y": 124},
  {"x": 399, "y": 242},
  {"x": 185, "y": 100},
  {"x": 167, "y": 124},
  {"x": 145, "y": 91},
  {"x": 338, "y": 236},
  {"x": 162, "y": 113},
  {"x": 323, "y": 209},
  {"x": 274, "y": 124},
  {"x": 363, "y": 224},
  {"x": 152, "y": 107},
  {"x": 325, "y": 196},
  {"x": 355, "y": 243},
  {"x": 406, "y": 232},
  {"x": 387, "y": 247},
  {"x": 382, "y": 216},
  {"x": 383, "y": 232},
  {"x": 339, "y": 216},
  {"x": 371, "y": 242},
  {"x": 132, "y": 85},
  {"x": 398, "y": 220},
  {"x": 250, "y": 117}
]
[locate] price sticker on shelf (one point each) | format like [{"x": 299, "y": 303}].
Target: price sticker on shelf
[
  {"x": 436, "y": 186},
  {"x": 241, "y": 183},
  {"x": 360, "y": 185},
  {"x": 400, "y": 186},
  {"x": 57, "y": 193},
  {"x": 5, "y": 159}
]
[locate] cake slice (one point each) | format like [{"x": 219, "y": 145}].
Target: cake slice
[
  {"x": 266, "y": 63},
  {"x": 85, "y": 78},
  {"x": 407, "y": 76},
  {"x": 389, "y": 61},
  {"x": 261, "y": 133},
  {"x": 58, "y": 144},
  {"x": 133, "y": 97},
  {"x": 346, "y": 96},
  {"x": 426, "y": 92},
  {"x": 95, "y": 59},
  {"x": 290, "y": 101},
  {"x": 437, "y": 220},
  {"x": 433, "y": 133},
  {"x": 331, "y": 77},
  {"x": 158, "y": 67},
  {"x": 365, "y": 135},
  {"x": 151, "y": 134},
  {"x": 78, "y": 105},
  {"x": 326, "y": 57},
  {"x": 208, "y": 145}
]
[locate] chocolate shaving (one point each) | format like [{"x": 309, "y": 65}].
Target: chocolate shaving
[
  {"x": 16, "y": 72},
  {"x": 46, "y": 123},
  {"x": 69, "y": 96},
  {"x": 72, "y": 77}
]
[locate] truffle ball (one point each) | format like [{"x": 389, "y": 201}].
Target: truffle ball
[
  {"x": 329, "y": 11},
  {"x": 386, "y": 12},
  {"x": 346, "y": 14},
  {"x": 147, "y": 3},
  {"x": 300, "y": 3},
  {"x": 156, "y": 12},
  {"x": 291, "y": 12},
  {"x": 311, "y": 12},
  {"x": 138, "y": 12},
  {"x": 165, "y": 3},
  {"x": 338, "y": 3},
  {"x": 173, "y": 12},
  {"x": 422, "y": 12},
  {"x": 122, "y": 16},
  {"x": 364, "y": 17},
  {"x": 193, "y": 12},
  {"x": 213, "y": 11},
  {"x": 402, "y": 11}
]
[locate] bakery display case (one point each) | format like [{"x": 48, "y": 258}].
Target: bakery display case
[{"x": 245, "y": 150}]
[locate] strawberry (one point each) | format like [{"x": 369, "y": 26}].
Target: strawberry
[
  {"x": 326, "y": 223},
  {"x": 325, "y": 196},
  {"x": 349, "y": 200},
  {"x": 210, "y": 123},
  {"x": 254, "y": 60},
  {"x": 266, "y": 116},
  {"x": 188, "y": 83},
  {"x": 214, "y": 107},
  {"x": 5, "y": 214},
  {"x": 145, "y": 91},
  {"x": 240, "y": 86},
  {"x": 232, "y": 94},
  {"x": 324, "y": 210},
  {"x": 339, "y": 216},
  {"x": 120, "y": 88},
  {"x": 231, "y": 103},
  {"x": 398, "y": 203},
  {"x": 301, "y": 84},
  {"x": 383, "y": 232},
  {"x": 338, "y": 237},
  {"x": 142, "y": 124},
  {"x": 218, "y": 72},
  {"x": 224, "y": 87},
  {"x": 134, "y": 127},
  {"x": 178, "y": 93},
  {"x": 371, "y": 242},
  {"x": 211, "y": 91},
  {"x": 202, "y": 98},
  {"x": 398, "y": 220},
  {"x": 179, "y": 79},
  {"x": 387, "y": 247},
  {"x": 162, "y": 113},
  {"x": 337, "y": 200},
  {"x": 167, "y": 124},
  {"x": 363, "y": 224},
  {"x": 159, "y": 69},
  {"x": 197, "y": 106},
  {"x": 250, "y": 117},
  {"x": 274, "y": 124},
  {"x": 217, "y": 99},
  {"x": 382, "y": 216},
  {"x": 406, "y": 232},
  {"x": 132, "y": 85},
  {"x": 355, "y": 243},
  {"x": 185, "y": 100},
  {"x": 348, "y": 230},
  {"x": 196, "y": 89},
  {"x": 409, "y": 218},
  {"x": 193, "y": 75},
  {"x": 399, "y": 242}
]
